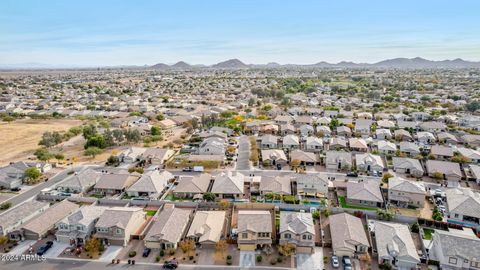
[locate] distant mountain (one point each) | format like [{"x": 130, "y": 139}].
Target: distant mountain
[
  {"x": 230, "y": 64},
  {"x": 161, "y": 66},
  {"x": 181, "y": 65},
  {"x": 419, "y": 62}
]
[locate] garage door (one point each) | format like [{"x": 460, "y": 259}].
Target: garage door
[
  {"x": 247, "y": 246},
  {"x": 304, "y": 250}
]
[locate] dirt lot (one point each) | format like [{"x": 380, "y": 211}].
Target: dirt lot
[{"x": 20, "y": 138}]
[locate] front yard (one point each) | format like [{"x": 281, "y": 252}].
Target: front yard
[{"x": 344, "y": 204}]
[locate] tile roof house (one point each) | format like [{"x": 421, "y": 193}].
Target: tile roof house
[
  {"x": 471, "y": 154},
  {"x": 451, "y": 171},
  {"x": 383, "y": 134},
  {"x": 338, "y": 160},
  {"x": 408, "y": 166},
  {"x": 313, "y": 144},
  {"x": 79, "y": 226},
  {"x": 191, "y": 186},
  {"x": 475, "y": 171},
  {"x": 275, "y": 184},
  {"x": 290, "y": 142},
  {"x": 312, "y": 185},
  {"x": 114, "y": 183},
  {"x": 229, "y": 185},
  {"x": 79, "y": 182},
  {"x": 441, "y": 152},
  {"x": 386, "y": 147},
  {"x": 463, "y": 205},
  {"x": 40, "y": 225},
  {"x": 395, "y": 245},
  {"x": 364, "y": 193},
  {"x": 212, "y": 146},
  {"x": 358, "y": 144},
  {"x": 305, "y": 158},
  {"x": 12, "y": 220},
  {"x": 369, "y": 162},
  {"x": 117, "y": 224},
  {"x": 455, "y": 249},
  {"x": 406, "y": 193},
  {"x": 337, "y": 143},
  {"x": 151, "y": 184},
  {"x": 274, "y": 157},
  {"x": 269, "y": 141},
  {"x": 207, "y": 227},
  {"x": 402, "y": 135},
  {"x": 167, "y": 228},
  {"x": 297, "y": 228},
  {"x": 348, "y": 235},
  {"x": 409, "y": 148},
  {"x": 156, "y": 156},
  {"x": 254, "y": 228}
]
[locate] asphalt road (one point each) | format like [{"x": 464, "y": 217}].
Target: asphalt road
[
  {"x": 60, "y": 264},
  {"x": 243, "y": 159},
  {"x": 36, "y": 189}
]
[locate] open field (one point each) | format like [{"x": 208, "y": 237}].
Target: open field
[{"x": 19, "y": 139}]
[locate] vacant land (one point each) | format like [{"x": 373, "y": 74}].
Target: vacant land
[{"x": 19, "y": 139}]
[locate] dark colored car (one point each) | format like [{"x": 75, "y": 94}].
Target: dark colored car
[
  {"x": 347, "y": 263},
  {"x": 187, "y": 169},
  {"x": 16, "y": 189},
  {"x": 146, "y": 252},
  {"x": 352, "y": 174},
  {"x": 44, "y": 248},
  {"x": 170, "y": 264}
]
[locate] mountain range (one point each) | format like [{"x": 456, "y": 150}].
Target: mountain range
[{"x": 400, "y": 63}]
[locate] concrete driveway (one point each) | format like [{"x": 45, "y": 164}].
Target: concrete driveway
[
  {"x": 110, "y": 253},
  {"x": 56, "y": 249},
  {"x": 312, "y": 261},
  {"x": 247, "y": 259},
  {"x": 22, "y": 247}
]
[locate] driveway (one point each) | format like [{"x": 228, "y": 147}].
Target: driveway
[
  {"x": 56, "y": 249},
  {"x": 22, "y": 247},
  {"x": 247, "y": 259},
  {"x": 110, "y": 253},
  {"x": 243, "y": 159},
  {"x": 312, "y": 261}
]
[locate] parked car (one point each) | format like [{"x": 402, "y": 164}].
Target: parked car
[
  {"x": 352, "y": 174},
  {"x": 44, "y": 248},
  {"x": 335, "y": 262},
  {"x": 16, "y": 189},
  {"x": 347, "y": 263},
  {"x": 187, "y": 169},
  {"x": 146, "y": 252},
  {"x": 170, "y": 264}
]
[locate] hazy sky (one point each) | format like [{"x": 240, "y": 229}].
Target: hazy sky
[{"x": 99, "y": 32}]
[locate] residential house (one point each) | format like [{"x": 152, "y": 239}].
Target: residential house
[
  {"x": 312, "y": 185},
  {"x": 455, "y": 249},
  {"x": 402, "y": 135},
  {"x": 275, "y": 157},
  {"x": 117, "y": 225},
  {"x": 386, "y": 147},
  {"x": 408, "y": 166},
  {"x": 306, "y": 130},
  {"x": 79, "y": 182},
  {"x": 313, "y": 144},
  {"x": 132, "y": 154},
  {"x": 364, "y": 193},
  {"x": 269, "y": 142},
  {"x": 362, "y": 126},
  {"x": 368, "y": 162},
  {"x": 151, "y": 184},
  {"x": 79, "y": 226},
  {"x": 207, "y": 227},
  {"x": 39, "y": 226},
  {"x": 254, "y": 229},
  {"x": 425, "y": 137},
  {"x": 192, "y": 186},
  {"x": 305, "y": 158},
  {"x": 337, "y": 143},
  {"x": 441, "y": 152},
  {"x": 405, "y": 193},
  {"x": 297, "y": 228},
  {"x": 463, "y": 205},
  {"x": 338, "y": 160},
  {"x": 395, "y": 245},
  {"x": 212, "y": 146},
  {"x": 156, "y": 156},
  {"x": 291, "y": 142},
  {"x": 13, "y": 219},
  {"x": 344, "y": 131},
  {"x": 409, "y": 148},
  {"x": 111, "y": 184},
  {"x": 276, "y": 185},
  {"x": 475, "y": 172},
  {"x": 472, "y": 155},
  {"x": 448, "y": 170},
  {"x": 383, "y": 134},
  {"x": 229, "y": 185},
  {"x": 447, "y": 138},
  {"x": 358, "y": 144},
  {"x": 168, "y": 228},
  {"x": 348, "y": 235}
]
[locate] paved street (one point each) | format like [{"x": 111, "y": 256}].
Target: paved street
[
  {"x": 32, "y": 192},
  {"x": 243, "y": 160}
]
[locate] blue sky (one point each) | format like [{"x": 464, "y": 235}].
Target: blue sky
[{"x": 101, "y": 32}]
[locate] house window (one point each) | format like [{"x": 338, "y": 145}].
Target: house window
[
  {"x": 452, "y": 260},
  {"x": 309, "y": 237},
  {"x": 119, "y": 231},
  {"x": 456, "y": 215},
  {"x": 245, "y": 235},
  {"x": 288, "y": 236},
  {"x": 304, "y": 237}
]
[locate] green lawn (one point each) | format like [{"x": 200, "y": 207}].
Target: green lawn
[
  {"x": 151, "y": 212},
  {"x": 427, "y": 233},
  {"x": 344, "y": 204}
]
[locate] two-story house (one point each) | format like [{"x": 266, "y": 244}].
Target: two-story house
[
  {"x": 297, "y": 228},
  {"x": 255, "y": 229},
  {"x": 117, "y": 224}
]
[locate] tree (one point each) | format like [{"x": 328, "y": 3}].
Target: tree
[
  {"x": 209, "y": 197},
  {"x": 326, "y": 212},
  {"x": 109, "y": 139},
  {"x": 437, "y": 175},
  {"x": 5, "y": 205},
  {"x": 224, "y": 204},
  {"x": 221, "y": 246},
  {"x": 89, "y": 131},
  {"x": 43, "y": 154},
  {"x": 32, "y": 174},
  {"x": 113, "y": 161},
  {"x": 92, "y": 245},
  {"x": 155, "y": 131},
  {"x": 334, "y": 123},
  {"x": 93, "y": 151},
  {"x": 133, "y": 135},
  {"x": 316, "y": 214},
  {"x": 386, "y": 176},
  {"x": 118, "y": 135},
  {"x": 59, "y": 156},
  {"x": 160, "y": 117},
  {"x": 473, "y": 106},
  {"x": 295, "y": 163},
  {"x": 187, "y": 246},
  {"x": 286, "y": 249},
  {"x": 50, "y": 139},
  {"x": 96, "y": 140}
]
